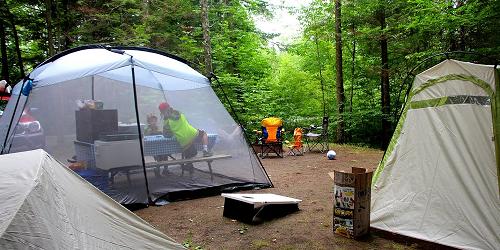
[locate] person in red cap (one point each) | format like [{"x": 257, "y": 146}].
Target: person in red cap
[{"x": 176, "y": 124}]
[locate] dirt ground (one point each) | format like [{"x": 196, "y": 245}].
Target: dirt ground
[{"x": 199, "y": 223}]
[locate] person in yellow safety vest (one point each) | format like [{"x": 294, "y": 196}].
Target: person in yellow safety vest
[{"x": 176, "y": 124}]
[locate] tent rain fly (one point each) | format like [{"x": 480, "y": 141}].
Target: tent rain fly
[
  {"x": 438, "y": 180},
  {"x": 51, "y": 207}
]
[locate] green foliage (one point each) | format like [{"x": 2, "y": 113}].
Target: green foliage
[
  {"x": 258, "y": 80},
  {"x": 293, "y": 89},
  {"x": 189, "y": 244},
  {"x": 260, "y": 244}
]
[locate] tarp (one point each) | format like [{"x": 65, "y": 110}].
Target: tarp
[
  {"x": 47, "y": 206},
  {"x": 438, "y": 180}
]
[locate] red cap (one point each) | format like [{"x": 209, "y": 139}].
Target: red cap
[{"x": 163, "y": 106}]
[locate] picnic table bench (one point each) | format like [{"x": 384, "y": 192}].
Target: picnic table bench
[
  {"x": 156, "y": 165},
  {"x": 161, "y": 148}
]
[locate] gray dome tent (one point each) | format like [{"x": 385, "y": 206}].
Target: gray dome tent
[
  {"x": 50, "y": 207},
  {"x": 82, "y": 107}
]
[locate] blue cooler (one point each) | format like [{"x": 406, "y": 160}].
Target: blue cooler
[{"x": 97, "y": 177}]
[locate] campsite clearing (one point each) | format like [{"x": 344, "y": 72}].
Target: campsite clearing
[{"x": 200, "y": 222}]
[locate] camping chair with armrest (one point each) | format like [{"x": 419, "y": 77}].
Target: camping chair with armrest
[
  {"x": 317, "y": 137},
  {"x": 296, "y": 148},
  {"x": 270, "y": 140}
]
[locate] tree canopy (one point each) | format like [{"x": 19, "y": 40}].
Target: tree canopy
[{"x": 295, "y": 82}]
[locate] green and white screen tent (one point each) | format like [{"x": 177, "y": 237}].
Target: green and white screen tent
[{"x": 438, "y": 180}]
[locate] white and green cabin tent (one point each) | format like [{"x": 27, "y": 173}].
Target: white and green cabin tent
[
  {"x": 45, "y": 205},
  {"x": 438, "y": 180}
]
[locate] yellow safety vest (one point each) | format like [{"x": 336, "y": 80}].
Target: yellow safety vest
[{"x": 182, "y": 130}]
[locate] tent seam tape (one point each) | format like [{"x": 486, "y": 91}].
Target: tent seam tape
[
  {"x": 468, "y": 78},
  {"x": 31, "y": 187},
  {"x": 107, "y": 196}
]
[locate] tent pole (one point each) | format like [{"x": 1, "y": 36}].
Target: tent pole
[
  {"x": 228, "y": 102},
  {"x": 13, "y": 115},
  {"x": 496, "y": 123},
  {"x": 212, "y": 75},
  {"x": 150, "y": 202}
]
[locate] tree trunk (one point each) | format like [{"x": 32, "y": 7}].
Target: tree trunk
[
  {"x": 16, "y": 43},
  {"x": 462, "y": 32},
  {"x": 320, "y": 65},
  {"x": 3, "y": 49},
  {"x": 340, "y": 77},
  {"x": 207, "y": 45},
  {"x": 48, "y": 20},
  {"x": 145, "y": 6},
  {"x": 67, "y": 20},
  {"x": 12, "y": 22},
  {"x": 384, "y": 82},
  {"x": 146, "y": 19},
  {"x": 353, "y": 77}
]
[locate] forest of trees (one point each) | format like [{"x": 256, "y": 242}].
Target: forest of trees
[{"x": 349, "y": 62}]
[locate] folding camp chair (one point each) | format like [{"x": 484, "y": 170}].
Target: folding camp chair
[
  {"x": 317, "y": 137},
  {"x": 270, "y": 140},
  {"x": 296, "y": 148}
]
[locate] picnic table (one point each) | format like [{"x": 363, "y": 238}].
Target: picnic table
[
  {"x": 168, "y": 147},
  {"x": 157, "y": 145}
]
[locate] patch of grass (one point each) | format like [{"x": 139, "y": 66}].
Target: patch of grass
[
  {"x": 243, "y": 229},
  {"x": 260, "y": 244},
  {"x": 398, "y": 246},
  {"x": 189, "y": 244},
  {"x": 354, "y": 147}
]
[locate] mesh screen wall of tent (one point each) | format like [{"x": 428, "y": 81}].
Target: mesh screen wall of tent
[
  {"x": 438, "y": 180},
  {"x": 89, "y": 108}
]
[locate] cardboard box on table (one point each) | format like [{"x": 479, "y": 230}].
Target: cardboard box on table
[{"x": 351, "y": 204}]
